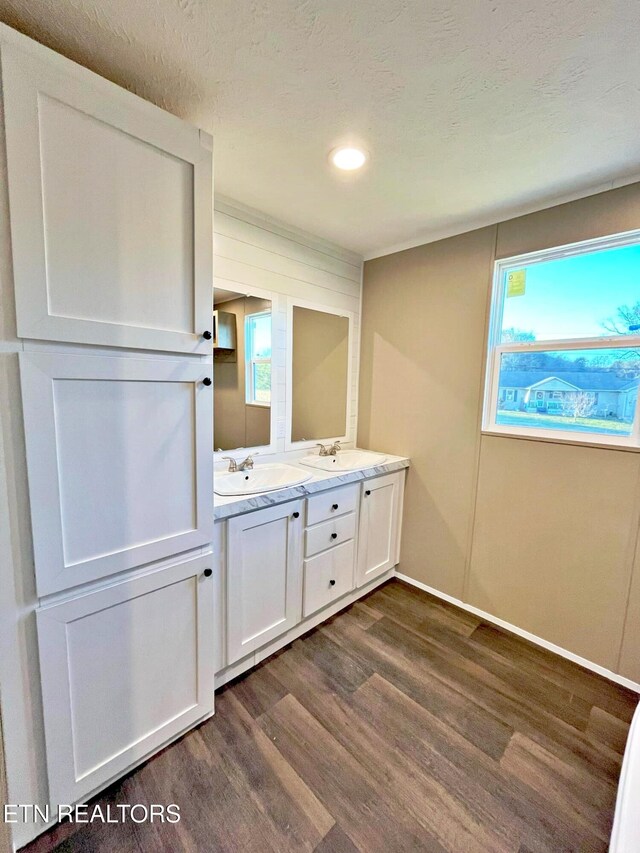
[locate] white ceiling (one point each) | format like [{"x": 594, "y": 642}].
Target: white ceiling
[{"x": 473, "y": 110}]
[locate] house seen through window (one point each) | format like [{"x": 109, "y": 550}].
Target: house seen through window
[
  {"x": 564, "y": 346},
  {"x": 258, "y": 358}
]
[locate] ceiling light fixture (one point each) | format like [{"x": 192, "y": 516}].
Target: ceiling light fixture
[{"x": 348, "y": 159}]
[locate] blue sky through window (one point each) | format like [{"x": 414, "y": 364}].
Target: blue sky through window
[{"x": 573, "y": 296}]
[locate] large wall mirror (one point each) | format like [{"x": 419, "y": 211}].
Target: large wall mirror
[
  {"x": 319, "y": 375},
  {"x": 242, "y": 339}
]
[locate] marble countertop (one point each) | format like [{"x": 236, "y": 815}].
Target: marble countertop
[{"x": 225, "y": 507}]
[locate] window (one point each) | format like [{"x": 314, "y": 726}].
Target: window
[
  {"x": 564, "y": 344},
  {"x": 258, "y": 358}
]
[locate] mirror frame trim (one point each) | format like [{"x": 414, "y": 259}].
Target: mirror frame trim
[
  {"x": 349, "y": 435},
  {"x": 260, "y": 293}
]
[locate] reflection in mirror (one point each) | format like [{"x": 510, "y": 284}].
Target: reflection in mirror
[
  {"x": 320, "y": 371},
  {"x": 242, "y": 370}
]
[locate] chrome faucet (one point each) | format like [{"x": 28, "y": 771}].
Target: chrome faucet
[
  {"x": 234, "y": 465},
  {"x": 326, "y": 450}
]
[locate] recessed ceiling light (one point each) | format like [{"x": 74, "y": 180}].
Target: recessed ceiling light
[{"x": 348, "y": 158}]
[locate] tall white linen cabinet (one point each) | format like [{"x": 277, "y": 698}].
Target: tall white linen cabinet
[{"x": 107, "y": 281}]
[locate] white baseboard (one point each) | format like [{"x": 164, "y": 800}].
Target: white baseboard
[{"x": 520, "y": 632}]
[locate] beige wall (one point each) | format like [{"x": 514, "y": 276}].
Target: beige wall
[
  {"x": 540, "y": 534},
  {"x": 320, "y": 362},
  {"x": 630, "y": 654},
  {"x": 235, "y": 423}
]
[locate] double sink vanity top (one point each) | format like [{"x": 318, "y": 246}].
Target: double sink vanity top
[
  {"x": 279, "y": 475},
  {"x": 276, "y": 482}
]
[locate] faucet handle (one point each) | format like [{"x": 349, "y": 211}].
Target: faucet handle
[
  {"x": 323, "y": 449},
  {"x": 247, "y": 463},
  {"x": 233, "y": 465}
]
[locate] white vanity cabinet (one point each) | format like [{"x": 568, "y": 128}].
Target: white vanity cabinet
[
  {"x": 379, "y": 533},
  {"x": 284, "y": 569},
  {"x": 264, "y": 576},
  {"x": 124, "y": 669}
]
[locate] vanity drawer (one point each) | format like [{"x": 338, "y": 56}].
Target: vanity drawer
[
  {"x": 328, "y": 576},
  {"x": 332, "y": 503},
  {"x": 329, "y": 533}
]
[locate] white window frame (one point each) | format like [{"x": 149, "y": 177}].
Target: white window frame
[
  {"x": 249, "y": 361},
  {"x": 495, "y": 349}
]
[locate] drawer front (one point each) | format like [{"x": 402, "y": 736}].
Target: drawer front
[
  {"x": 329, "y": 533},
  {"x": 328, "y": 576},
  {"x": 332, "y": 503}
]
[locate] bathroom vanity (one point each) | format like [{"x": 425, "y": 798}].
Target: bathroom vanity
[
  {"x": 305, "y": 532},
  {"x": 286, "y": 560}
]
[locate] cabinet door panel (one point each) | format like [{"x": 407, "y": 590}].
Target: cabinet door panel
[
  {"x": 328, "y": 576},
  {"x": 110, "y": 212},
  {"x": 124, "y": 669},
  {"x": 379, "y": 526},
  {"x": 119, "y": 461},
  {"x": 264, "y": 576}
]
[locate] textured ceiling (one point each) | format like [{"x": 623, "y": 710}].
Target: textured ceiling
[{"x": 471, "y": 109}]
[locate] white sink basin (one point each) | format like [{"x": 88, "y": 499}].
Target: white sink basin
[
  {"x": 263, "y": 478},
  {"x": 345, "y": 460}
]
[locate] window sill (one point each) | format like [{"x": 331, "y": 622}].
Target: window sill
[
  {"x": 259, "y": 405},
  {"x": 576, "y": 442}
]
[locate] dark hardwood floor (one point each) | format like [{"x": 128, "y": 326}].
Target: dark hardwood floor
[{"x": 401, "y": 724}]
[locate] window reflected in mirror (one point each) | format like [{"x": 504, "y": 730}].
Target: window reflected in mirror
[
  {"x": 320, "y": 375},
  {"x": 258, "y": 358},
  {"x": 242, "y": 370}
]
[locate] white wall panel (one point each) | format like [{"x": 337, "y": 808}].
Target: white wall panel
[{"x": 234, "y": 226}]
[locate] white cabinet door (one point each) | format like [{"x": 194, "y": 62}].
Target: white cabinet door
[
  {"x": 264, "y": 577},
  {"x": 111, "y": 211},
  {"x": 379, "y": 526},
  {"x": 124, "y": 670},
  {"x": 119, "y": 462},
  {"x": 327, "y": 577}
]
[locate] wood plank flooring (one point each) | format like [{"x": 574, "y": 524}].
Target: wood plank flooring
[{"x": 401, "y": 724}]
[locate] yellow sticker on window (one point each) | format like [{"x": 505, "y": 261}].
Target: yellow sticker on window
[{"x": 516, "y": 283}]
